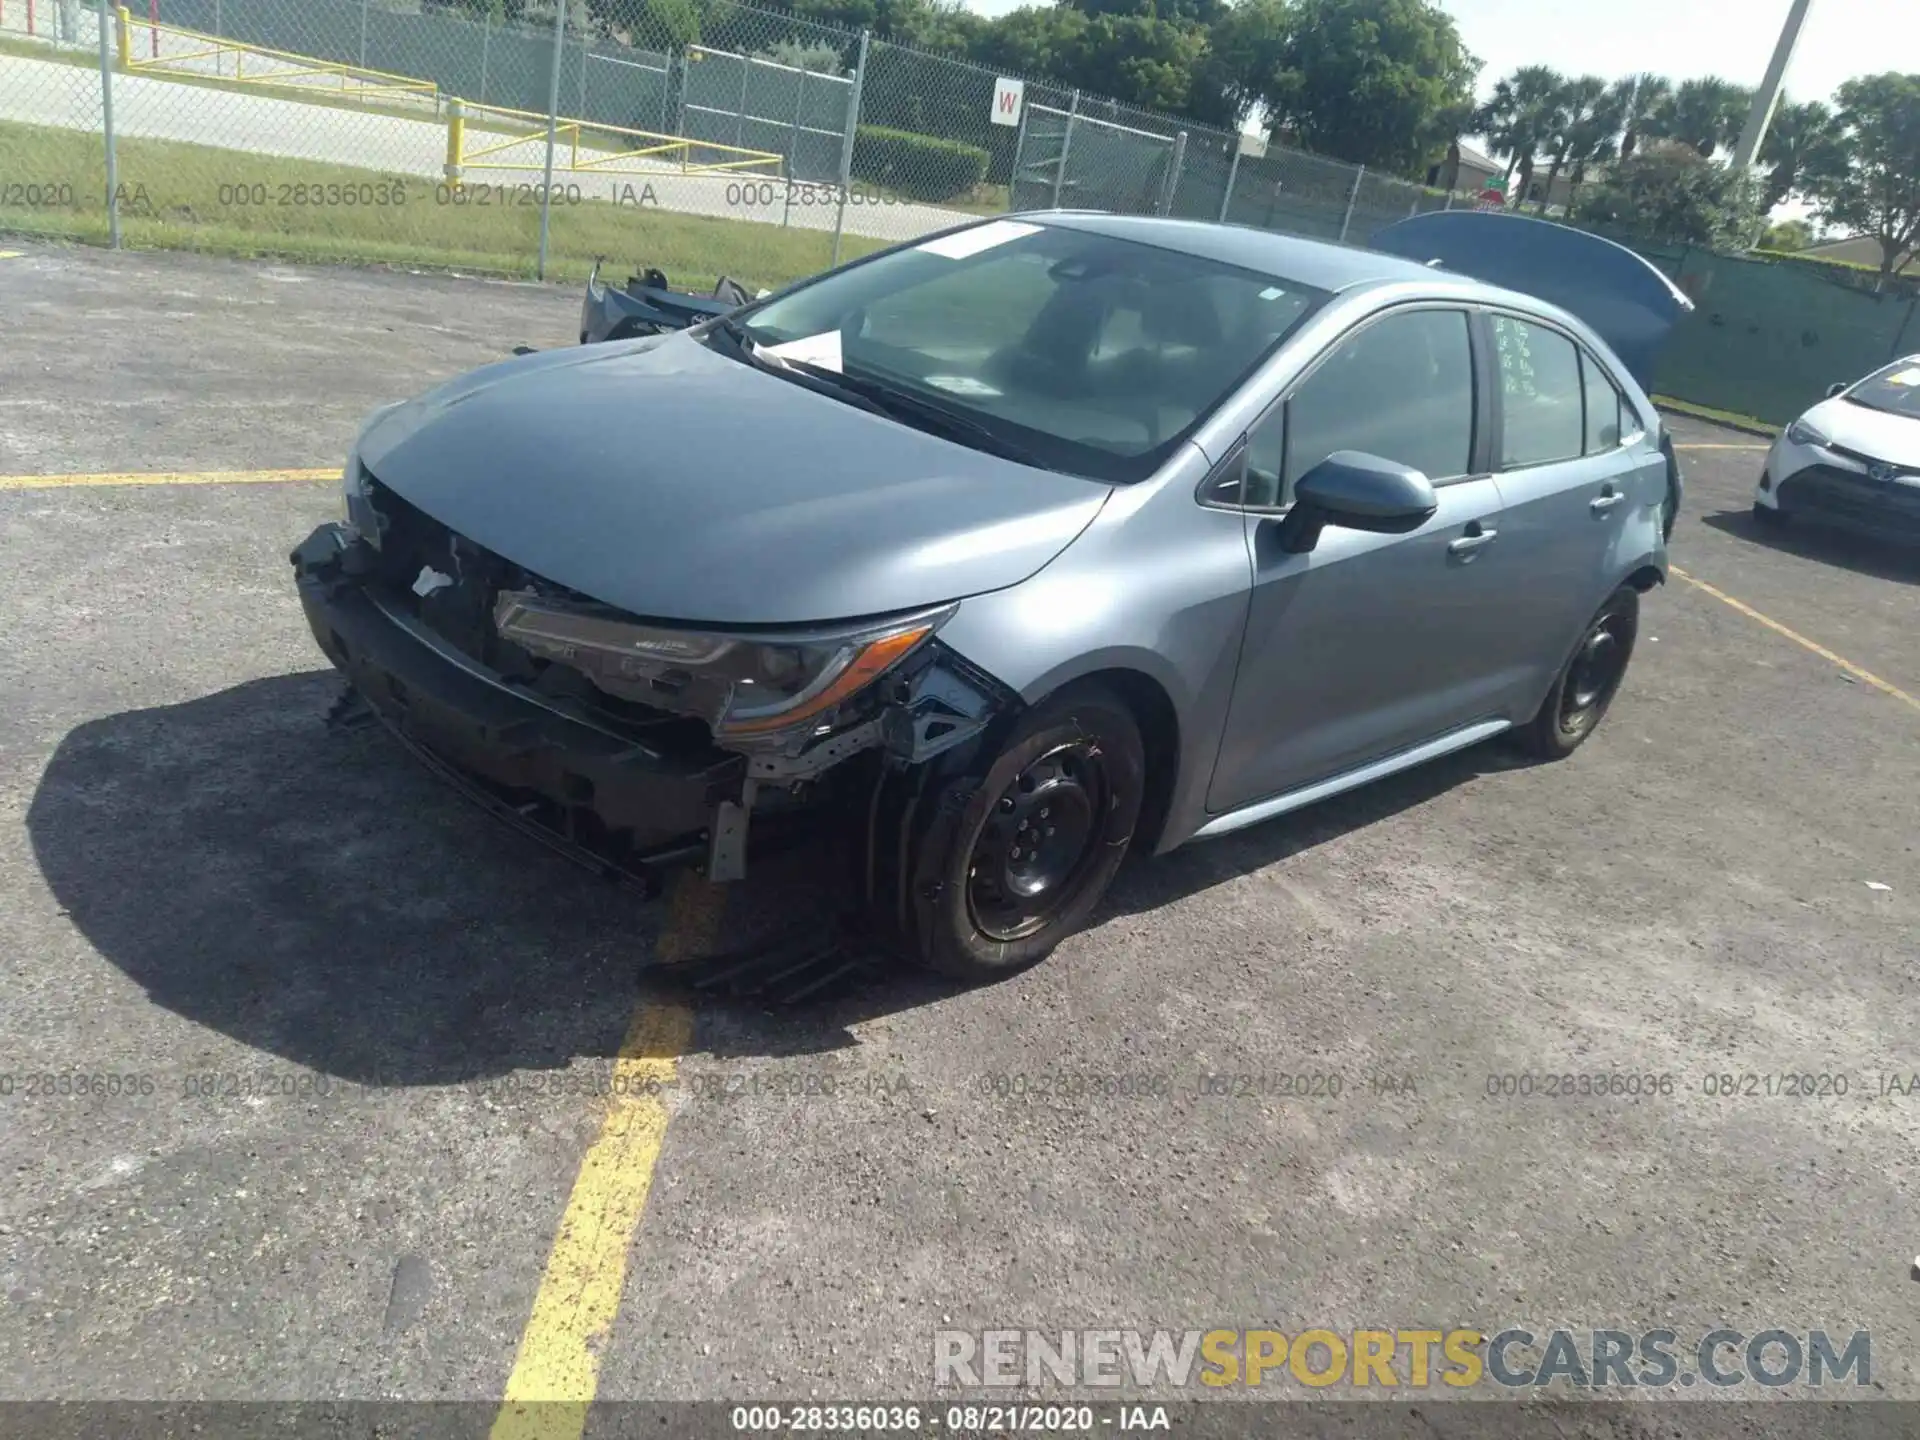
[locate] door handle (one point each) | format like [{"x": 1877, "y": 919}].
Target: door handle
[
  {"x": 1605, "y": 500},
  {"x": 1477, "y": 535}
]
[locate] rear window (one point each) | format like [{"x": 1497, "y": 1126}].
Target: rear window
[
  {"x": 1542, "y": 400},
  {"x": 1604, "y": 408}
]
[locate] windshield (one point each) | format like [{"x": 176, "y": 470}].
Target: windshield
[
  {"x": 1895, "y": 389},
  {"x": 1086, "y": 353}
]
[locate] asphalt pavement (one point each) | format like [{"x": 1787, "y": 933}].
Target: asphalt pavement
[{"x": 338, "y": 1045}]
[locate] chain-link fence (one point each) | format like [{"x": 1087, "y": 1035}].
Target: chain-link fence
[{"x": 706, "y": 139}]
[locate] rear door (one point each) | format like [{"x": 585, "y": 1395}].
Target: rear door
[
  {"x": 1575, "y": 469},
  {"x": 1369, "y": 643}
]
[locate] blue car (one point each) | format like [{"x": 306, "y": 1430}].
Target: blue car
[{"x": 1002, "y": 554}]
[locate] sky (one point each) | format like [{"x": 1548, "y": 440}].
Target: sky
[{"x": 1679, "y": 38}]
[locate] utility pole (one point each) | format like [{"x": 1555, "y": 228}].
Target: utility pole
[{"x": 1767, "y": 98}]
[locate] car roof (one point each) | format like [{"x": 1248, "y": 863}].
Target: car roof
[{"x": 1319, "y": 263}]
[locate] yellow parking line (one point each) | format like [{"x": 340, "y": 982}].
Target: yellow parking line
[
  {"x": 167, "y": 477},
  {"x": 1858, "y": 672},
  {"x": 12, "y": 254},
  {"x": 558, "y": 1368}
]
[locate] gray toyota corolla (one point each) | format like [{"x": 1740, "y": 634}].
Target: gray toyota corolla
[{"x": 999, "y": 554}]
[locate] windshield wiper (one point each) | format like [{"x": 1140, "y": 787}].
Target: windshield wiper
[{"x": 923, "y": 413}]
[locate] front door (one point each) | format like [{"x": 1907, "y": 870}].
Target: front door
[{"x": 1369, "y": 643}]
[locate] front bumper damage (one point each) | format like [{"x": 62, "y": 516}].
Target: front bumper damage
[{"x": 626, "y": 790}]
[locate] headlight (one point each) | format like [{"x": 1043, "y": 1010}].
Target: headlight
[
  {"x": 1801, "y": 433},
  {"x": 740, "y": 684}
]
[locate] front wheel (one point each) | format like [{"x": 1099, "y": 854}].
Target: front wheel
[
  {"x": 1588, "y": 681},
  {"x": 1020, "y": 851}
]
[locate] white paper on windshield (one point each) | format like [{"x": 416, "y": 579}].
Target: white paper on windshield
[
  {"x": 1905, "y": 377},
  {"x": 981, "y": 237},
  {"x": 962, "y": 385},
  {"x": 822, "y": 350}
]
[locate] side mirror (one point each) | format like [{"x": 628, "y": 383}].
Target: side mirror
[
  {"x": 1834, "y": 391},
  {"x": 1356, "y": 492}
]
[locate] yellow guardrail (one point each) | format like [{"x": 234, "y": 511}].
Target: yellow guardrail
[
  {"x": 656, "y": 151},
  {"x": 205, "y": 57}
]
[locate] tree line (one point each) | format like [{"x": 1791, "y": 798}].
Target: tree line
[
  {"x": 1388, "y": 84},
  {"x": 1382, "y": 83},
  {"x": 1662, "y": 153}
]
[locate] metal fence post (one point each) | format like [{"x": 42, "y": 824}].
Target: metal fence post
[
  {"x": 486, "y": 44},
  {"x": 1347, "y": 220},
  {"x": 553, "y": 125},
  {"x": 1175, "y": 165},
  {"x": 1233, "y": 173},
  {"x": 363, "y": 32},
  {"x": 580, "y": 111},
  {"x": 793, "y": 140},
  {"x": 106, "y": 128},
  {"x": 1019, "y": 146},
  {"x": 740, "y": 110},
  {"x": 1066, "y": 148},
  {"x": 854, "y": 100}
]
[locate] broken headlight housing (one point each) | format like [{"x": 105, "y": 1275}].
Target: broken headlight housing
[
  {"x": 742, "y": 684},
  {"x": 355, "y": 503}
]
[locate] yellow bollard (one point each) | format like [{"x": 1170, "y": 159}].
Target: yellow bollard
[
  {"x": 124, "y": 24},
  {"x": 456, "y": 139}
]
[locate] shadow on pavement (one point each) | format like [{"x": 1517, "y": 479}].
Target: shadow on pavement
[
  {"x": 1864, "y": 554},
  {"x": 321, "y": 898}
]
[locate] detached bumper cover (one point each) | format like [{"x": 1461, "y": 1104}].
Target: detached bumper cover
[{"x": 601, "y": 796}]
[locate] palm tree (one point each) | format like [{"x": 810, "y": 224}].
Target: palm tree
[
  {"x": 1640, "y": 98},
  {"x": 1595, "y": 137},
  {"x": 1800, "y": 140},
  {"x": 1706, "y": 113},
  {"x": 1572, "y": 124},
  {"x": 1518, "y": 119}
]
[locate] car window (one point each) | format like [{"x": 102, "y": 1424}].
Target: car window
[
  {"x": 1400, "y": 389},
  {"x": 1094, "y": 354},
  {"x": 1604, "y": 408},
  {"x": 1540, "y": 394},
  {"x": 1896, "y": 389}
]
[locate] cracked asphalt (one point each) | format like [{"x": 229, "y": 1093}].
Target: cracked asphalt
[{"x": 336, "y": 1041}]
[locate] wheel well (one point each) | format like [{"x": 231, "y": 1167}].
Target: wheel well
[
  {"x": 1160, "y": 735},
  {"x": 1646, "y": 577}
]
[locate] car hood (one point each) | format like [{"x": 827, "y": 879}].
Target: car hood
[
  {"x": 1893, "y": 438},
  {"x": 678, "y": 484}
]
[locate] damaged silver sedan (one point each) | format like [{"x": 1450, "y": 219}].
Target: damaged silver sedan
[{"x": 998, "y": 554}]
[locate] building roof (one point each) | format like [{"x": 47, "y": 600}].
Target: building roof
[{"x": 1471, "y": 156}]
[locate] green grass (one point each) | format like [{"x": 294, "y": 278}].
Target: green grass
[
  {"x": 173, "y": 193},
  {"x": 1733, "y": 419}
]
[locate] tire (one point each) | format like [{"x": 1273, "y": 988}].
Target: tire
[
  {"x": 1587, "y": 683},
  {"x": 966, "y": 902},
  {"x": 1769, "y": 518}
]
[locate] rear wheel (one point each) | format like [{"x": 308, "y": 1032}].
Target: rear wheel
[
  {"x": 1016, "y": 854},
  {"x": 1769, "y": 517},
  {"x": 1588, "y": 681}
]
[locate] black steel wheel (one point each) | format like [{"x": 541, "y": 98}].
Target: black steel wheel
[
  {"x": 1587, "y": 682},
  {"x": 1003, "y": 862},
  {"x": 1040, "y": 840}
]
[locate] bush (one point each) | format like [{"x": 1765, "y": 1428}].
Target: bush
[
  {"x": 920, "y": 166},
  {"x": 1673, "y": 194}
]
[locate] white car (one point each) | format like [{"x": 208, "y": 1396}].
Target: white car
[{"x": 1853, "y": 459}]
